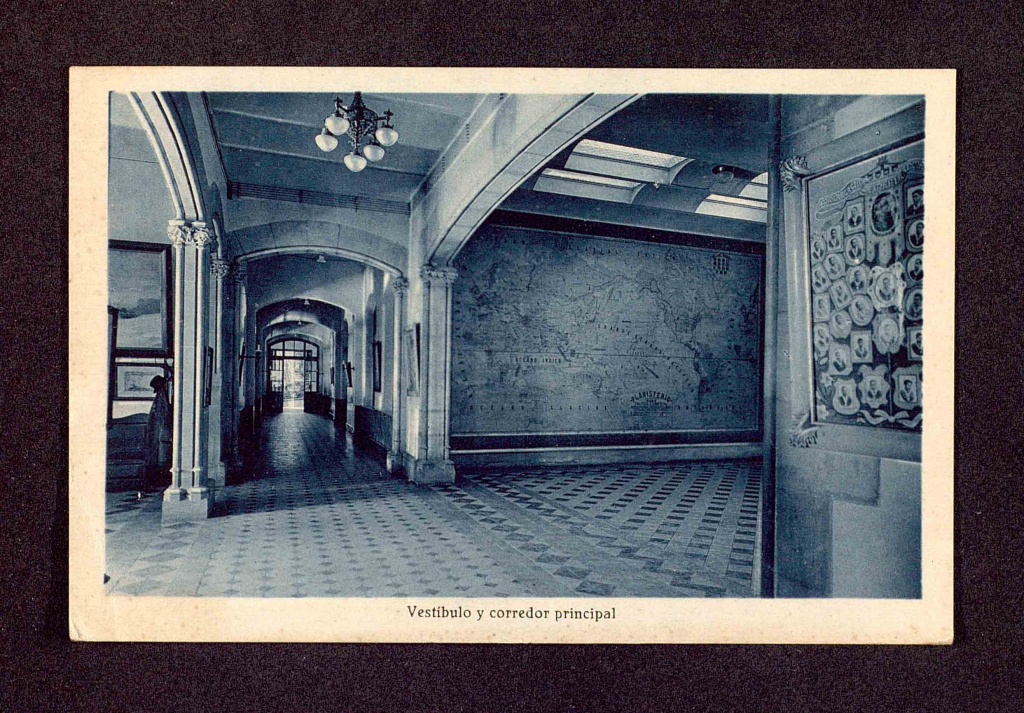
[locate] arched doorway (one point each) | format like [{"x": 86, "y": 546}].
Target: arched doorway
[{"x": 293, "y": 376}]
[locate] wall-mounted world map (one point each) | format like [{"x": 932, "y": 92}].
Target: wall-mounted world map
[{"x": 560, "y": 334}]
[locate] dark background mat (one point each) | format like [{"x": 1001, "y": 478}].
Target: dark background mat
[{"x": 43, "y": 670}]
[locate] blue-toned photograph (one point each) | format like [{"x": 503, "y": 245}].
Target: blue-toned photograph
[{"x": 663, "y": 345}]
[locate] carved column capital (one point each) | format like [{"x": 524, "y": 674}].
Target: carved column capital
[
  {"x": 793, "y": 169},
  {"x": 202, "y": 236},
  {"x": 220, "y": 267},
  {"x": 445, "y": 275},
  {"x": 400, "y": 285},
  {"x": 239, "y": 271},
  {"x": 179, "y": 232}
]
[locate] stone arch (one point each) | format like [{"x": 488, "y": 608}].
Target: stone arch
[
  {"x": 300, "y": 336},
  {"x": 313, "y": 312},
  {"x": 447, "y": 216},
  {"x": 157, "y": 118},
  {"x": 298, "y": 237}
]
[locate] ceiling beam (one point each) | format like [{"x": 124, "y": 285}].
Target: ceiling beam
[
  {"x": 414, "y": 100},
  {"x": 263, "y": 117},
  {"x": 323, "y": 159},
  {"x": 313, "y": 126}
]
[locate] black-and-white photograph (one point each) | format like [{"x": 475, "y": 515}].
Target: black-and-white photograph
[{"x": 499, "y": 345}]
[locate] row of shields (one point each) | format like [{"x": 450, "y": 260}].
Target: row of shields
[{"x": 872, "y": 389}]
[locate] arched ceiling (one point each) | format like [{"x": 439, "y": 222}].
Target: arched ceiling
[
  {"x": 278, "y": 278},
  {"x": 298, "y": 312}
]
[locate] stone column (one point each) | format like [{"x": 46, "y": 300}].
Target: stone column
[
  {"x": 433, "y": 464},
  {"x": 220, "y": 270},
  {"x": 340, "y": 395},
  {"x": 396, "y": 457},
  {"x": 188, "y": 497},
  {"x": 253, "y": 366},
  {"x": 238, "y": 275}
]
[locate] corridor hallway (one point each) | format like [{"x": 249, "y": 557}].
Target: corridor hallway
[{"x": 320, "y": 519}]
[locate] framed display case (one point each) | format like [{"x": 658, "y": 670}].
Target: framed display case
[
  {"x": 132, "y": 382},
  {"x": 111, "y": 361},
  {"x": 139, "y": 288},
  {"x": 412, "y": 359},
  {"x": 208, "y": 377},
  {"x": 378, "y": 364},
  {"x": 854, "y": 232}
]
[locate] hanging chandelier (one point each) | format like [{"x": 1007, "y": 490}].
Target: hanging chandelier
[{"x": 367, "y": 132}]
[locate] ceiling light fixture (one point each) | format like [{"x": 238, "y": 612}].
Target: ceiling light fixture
[{"x": 367, "y": 132}]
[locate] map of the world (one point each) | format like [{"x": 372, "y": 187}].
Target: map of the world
[{"x": 556, "y": 333}]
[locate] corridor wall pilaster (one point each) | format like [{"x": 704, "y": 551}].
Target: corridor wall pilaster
[
  {"x": 235, "y": 372},
  {"x": 239, "y": 369},
  {"x": 396, "y": 457},
  {"x": 433, "y": 464},
  {"x": 253, "y": 357},
  {"x": 340, "y": 394},
  {"x": 189, "y": 497}
]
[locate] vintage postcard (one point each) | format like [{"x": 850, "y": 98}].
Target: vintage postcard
[{"x": 517, "y": 355}]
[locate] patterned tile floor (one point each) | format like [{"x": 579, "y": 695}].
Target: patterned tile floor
[{"x": 318, "y": 519}]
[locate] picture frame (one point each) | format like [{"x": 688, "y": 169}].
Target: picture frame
[
  {"x": 208, "y": 380},
  {"x": 378, "y": 363},
  {"x": 111, "y": 371},
  {"x": 241, "y": 365},
  {"x": 814, "y": 302},
  {"x": 412, "y": 360},
  {"x": 132, "y": 382},
  {"x": 139, "y": 288}
]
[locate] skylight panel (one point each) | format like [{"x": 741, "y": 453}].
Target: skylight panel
[
  {"x": 589, "y": 178},
  {"x": 736, "y": 200},
  {"x": 732, "y": 210},
  {"x": 615, "y": 152},
  {"x": 756, "y": 191}
]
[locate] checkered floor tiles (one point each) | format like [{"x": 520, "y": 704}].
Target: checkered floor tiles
[{"x": 318, "y": 519}]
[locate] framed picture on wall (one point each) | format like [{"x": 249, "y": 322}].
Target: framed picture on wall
[
  {"x": 377, "y": 365},
  {"x": 132, "y": 383},
  {"x": 241, "y": 363},
  {"x": 412, "y": 360},
  {"x": 856, "y": 319},
  {"x": 139, "y": 279},
  {"x": 111, "y": 370},
  {"x": 208, "y": 383}
]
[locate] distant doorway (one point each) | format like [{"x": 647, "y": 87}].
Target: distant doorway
[
  {"x": 294, "y": 385},
  {"x": 293, "y": 374}
]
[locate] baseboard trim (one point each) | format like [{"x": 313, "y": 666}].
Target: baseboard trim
[{"x": 600, "y": 455}]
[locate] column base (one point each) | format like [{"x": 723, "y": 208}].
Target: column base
[
  {"x": 427, "y": 472},
  {"x": 186, "y": 505},
  {"x": 394, "y": 461},
  {"x": 218, "y": 475}
]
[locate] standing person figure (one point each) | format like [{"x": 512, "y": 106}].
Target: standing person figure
[{"x": 158, "y": 437}]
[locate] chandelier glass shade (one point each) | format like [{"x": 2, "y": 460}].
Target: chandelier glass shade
[{"x": 366, "y": 131}]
